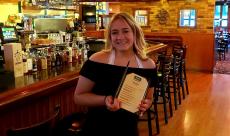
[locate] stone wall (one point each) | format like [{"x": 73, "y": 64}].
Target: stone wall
[{"x": 204, "y": 9}]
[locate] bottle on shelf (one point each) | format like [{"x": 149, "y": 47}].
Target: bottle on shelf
[
  {"x": 85, "y": 51},
  {"x": 58, "y": 59},
  {"x": 48, "y": 57},
  {"x": 79, "y": 55},
  {"x": 74, "y": 55},
  {"x": 70, "y": 54},
  {"x": 53, "y": 59},
  {"x": 35, "y": 62},
  {"x": 29, "y": 62},
  {"x": 24, "y": 60},
  {"x": 74, "y": 51},
  {"x": 42, "y": 61}
]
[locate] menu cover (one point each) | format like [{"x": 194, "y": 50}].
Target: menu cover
[{"x": 132, "y": 91}]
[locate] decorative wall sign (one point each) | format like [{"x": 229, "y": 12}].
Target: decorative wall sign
[{"x": 162, "y": 16}]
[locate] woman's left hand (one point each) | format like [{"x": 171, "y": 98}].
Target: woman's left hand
[{"x": 145, "y": 104}]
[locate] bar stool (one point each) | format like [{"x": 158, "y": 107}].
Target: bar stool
[
  {"x": 181, "y": 52},
  {"x": 174, "y": 77},
  {"x": 178, "y": 74},
  {"x": 183, "y": 68},
  {"x": 151, "y": 114},
  {"x": 70, "y": 125},
  {"x": 162, "y": 89}
]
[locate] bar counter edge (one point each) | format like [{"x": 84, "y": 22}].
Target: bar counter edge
[{"x": 38, "y": 89}]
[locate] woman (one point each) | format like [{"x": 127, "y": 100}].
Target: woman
[{"x": 101, "y": 74}]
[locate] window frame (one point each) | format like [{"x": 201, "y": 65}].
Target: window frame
[
  {"x": 221, "y": 15},
  {"x": 195, "y": 19},
  {"x": 147, "y": 15}
]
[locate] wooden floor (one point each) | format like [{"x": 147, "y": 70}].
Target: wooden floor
[{"x": 204, "y": 112}]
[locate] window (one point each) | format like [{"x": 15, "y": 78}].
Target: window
[
  {"x": 221, "y": 16},
  {"x": 187, "y": 18},
  {"x": 141, "y": 17}
]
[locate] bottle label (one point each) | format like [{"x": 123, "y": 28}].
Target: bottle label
[{"x": 29, "y": 64}]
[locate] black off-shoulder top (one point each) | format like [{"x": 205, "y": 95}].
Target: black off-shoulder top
[{"x": 107, "y": 78}]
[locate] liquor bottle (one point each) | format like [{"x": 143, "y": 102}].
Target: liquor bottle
[
  {"x": 44, "y": 62},
  {"x": 74, "y": 52},
  {"x": 48, "y": 57},
  {"x": 73, "y": 55},
  {"x": 39, "y": 63},
  {"x": 43, "y": 59},
  {"x": 70, "y": 54},
  {"x": 58, "y": 59},
  {"x": 64, "y": 57},
  {"x": 35, "y": 63},
  {"x": 25, "y": 65},
  {"x": 79, "y": 57},
  {"x": 29, "y": 62},
  {"x": 85, "y": 52},
  {"x": 53, "y": 59}
]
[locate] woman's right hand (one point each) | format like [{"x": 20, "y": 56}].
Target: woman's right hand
[{"x": 112, "y": 104}]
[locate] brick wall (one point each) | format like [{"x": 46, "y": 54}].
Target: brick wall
[{"x": 204, "y": 9}]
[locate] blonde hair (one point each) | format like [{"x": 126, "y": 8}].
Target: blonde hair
[{"x": 139, "y": 42}]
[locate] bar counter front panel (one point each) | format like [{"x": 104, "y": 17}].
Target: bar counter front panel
[{"x": 32, "y": 98}]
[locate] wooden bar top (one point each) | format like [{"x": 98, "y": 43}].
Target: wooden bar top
[{"x": 14, "y": 90}]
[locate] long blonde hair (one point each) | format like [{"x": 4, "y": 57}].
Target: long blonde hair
[{"x": 139, "y": 42}]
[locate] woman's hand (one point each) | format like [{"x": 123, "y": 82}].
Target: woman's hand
[
  {"x": 145, "y": 104},
  {"x": 112, "y": 104}
]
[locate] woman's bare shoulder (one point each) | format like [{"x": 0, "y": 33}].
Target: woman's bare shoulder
[
  {"x": 149, "y": 63},
  {"x": 101, "y": 56}
]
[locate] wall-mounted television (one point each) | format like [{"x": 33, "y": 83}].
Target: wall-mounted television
[
  {"x": 8, "y": 34},
  {"x": 89, "y": 13}
]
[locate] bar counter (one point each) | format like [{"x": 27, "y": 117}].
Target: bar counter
[
  {"x": 32, "y": 98},
  {"x": 13, "y": 89}
]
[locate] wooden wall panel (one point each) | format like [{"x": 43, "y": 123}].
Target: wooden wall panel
[{"x": 200, "y": 51}]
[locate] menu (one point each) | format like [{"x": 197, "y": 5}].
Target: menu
[{"x": 132, "y": 91}]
